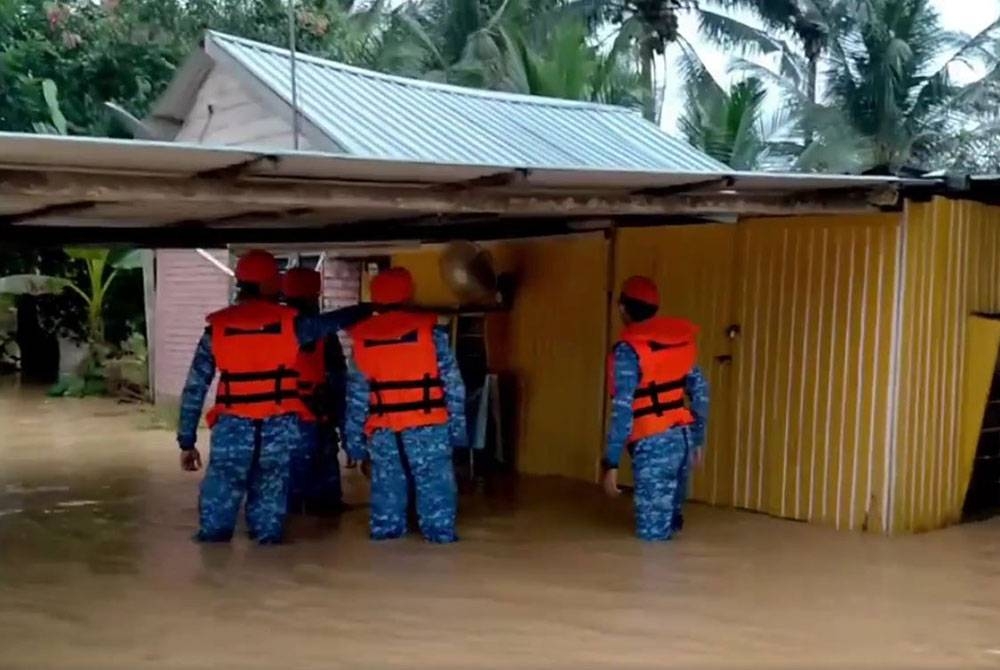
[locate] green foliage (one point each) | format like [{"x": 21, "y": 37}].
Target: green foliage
[{"x": 862, "y": 80}]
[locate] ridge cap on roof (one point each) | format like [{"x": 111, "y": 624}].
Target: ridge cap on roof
[{"x": 451, "y": 89}]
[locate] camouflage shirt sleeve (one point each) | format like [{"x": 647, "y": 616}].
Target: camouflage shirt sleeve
[
  {"x": 696, "y": 387},
  {"x": 454, "y": 389},
  {"x": 315, "y": 327},
  {"x": 199, "y": 379},
  {"x": 336, "y": 377},
  {"x": 626, "y": 380},
  {"x": 356, "y": 415}
]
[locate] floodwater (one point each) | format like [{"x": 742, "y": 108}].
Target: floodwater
[{"x": 97, "y": 571}]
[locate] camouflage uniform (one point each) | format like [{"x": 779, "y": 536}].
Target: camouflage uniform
[
  {"x": 248, "y": 457},
  {"x": 659, "y": 462},
  {"x": 315, "y": 468},
  {"x": 423, "y": 453}
]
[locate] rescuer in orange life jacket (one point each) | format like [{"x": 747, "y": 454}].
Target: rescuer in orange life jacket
[
  {"x": 315, "y": 471},
  {"x": 651, "y": 370},
  {"x": 255, "y": 345},
  {"x": 405, "y": 411}
]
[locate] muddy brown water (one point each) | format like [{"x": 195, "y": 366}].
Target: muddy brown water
[{"x": 97, "y": 571}]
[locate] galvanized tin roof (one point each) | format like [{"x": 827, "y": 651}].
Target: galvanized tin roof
[{"x": 381, "y": 116}]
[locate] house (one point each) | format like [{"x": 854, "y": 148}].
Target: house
[
  {"x": 842, "y": 320},
  {"x": 238, "y": 93}
]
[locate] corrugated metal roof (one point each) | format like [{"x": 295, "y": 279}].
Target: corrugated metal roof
[
  {"x": 382, "y": 116},
  {"x": 20, "y": 151}
]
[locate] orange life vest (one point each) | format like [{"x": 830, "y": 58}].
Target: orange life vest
[
  {"x": 311, "y": 365},
  {"x": 396, "y": 354},
  {"x": 256, "y": 351},
  {"x": 667, "y": 353}
]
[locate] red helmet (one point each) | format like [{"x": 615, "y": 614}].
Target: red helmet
[
  {"x": 392, "y": 287},
  {"x": 642, "y": 289},
  {"x": 301, "y": 283},
  {"x": 258, "y": 267}
]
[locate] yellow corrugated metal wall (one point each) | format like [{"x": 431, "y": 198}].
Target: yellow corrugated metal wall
[
  {"x": 551, "y": 342},
  {"x": 693, "y": 265},
  {"x": 844, "y": 395},
  {"x": 815, "y": 302},
  {"x": 800, "y": 417},
  {"x": 952, "y": 268}
]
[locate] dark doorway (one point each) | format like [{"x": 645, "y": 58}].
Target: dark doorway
[{"x": 983, "y": 497}]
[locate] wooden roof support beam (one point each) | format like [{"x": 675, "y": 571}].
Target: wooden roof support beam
[{"x": 270, "y": 194}]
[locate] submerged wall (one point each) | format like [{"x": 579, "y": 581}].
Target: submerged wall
[
  {"x": 952, "y": 269},
  {"x": 800, "y": 412},
  {"x": 551, "y": 345},
  {"x": 840, "y": 399}
]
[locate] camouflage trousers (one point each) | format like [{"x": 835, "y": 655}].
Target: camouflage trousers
[
  {"x": 315, "y": 471},
  {"x": 249, "y": 460},
  {"x": 425, "y": 455},
  {"x": 659, "y": 465}
]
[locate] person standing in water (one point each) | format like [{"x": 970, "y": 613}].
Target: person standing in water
[
  {"x": 315, "y": 470},
  {"x": 406, "y": 412},
  {"x": 651, "y": 370},
  {"x": 255, "y": 421}
]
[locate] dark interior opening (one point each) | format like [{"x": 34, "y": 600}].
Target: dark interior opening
[{"x": 982, "y": 500}]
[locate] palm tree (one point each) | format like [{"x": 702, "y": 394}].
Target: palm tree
[
  {"x": 727, "y": 124},
  {"x": 563, "y": 64},
  {"x": 883, "y": 74},
  {"x": 889, "y": 101},
  {"x": 805, "y": 20}
]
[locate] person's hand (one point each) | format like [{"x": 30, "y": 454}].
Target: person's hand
[
  {"x": 698, "y": 457},
  {"x": 366, "y": 468},
  {"x": 190, "y": 460},
  {"x": 610, "y": 483}
]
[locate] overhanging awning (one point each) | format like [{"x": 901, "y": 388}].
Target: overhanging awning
[{"x": 67, "y": 189}]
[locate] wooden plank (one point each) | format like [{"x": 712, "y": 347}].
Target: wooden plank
[{"x": 249, "y": 195}]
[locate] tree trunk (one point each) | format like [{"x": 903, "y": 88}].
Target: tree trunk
[
  {"x": 813, "y": 92},
  {"x": 649, "y": 103}
]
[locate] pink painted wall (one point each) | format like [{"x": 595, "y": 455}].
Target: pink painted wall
[
  {"x": 188, "y": 288},
  {"x": 341, "y": 287}
]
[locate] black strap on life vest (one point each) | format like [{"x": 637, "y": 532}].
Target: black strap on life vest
[
  {"x": 425, "y": 405},
  {"x": 281, "y": 373},
  {"x": 273, "y": 328},
  {"x": 408, "y": 337},
  {"x": 657, "y": 406}
]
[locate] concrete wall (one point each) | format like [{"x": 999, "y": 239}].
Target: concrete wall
[
  {"x": 341, "y": 288},
  {"x": 188, "y": 287}
]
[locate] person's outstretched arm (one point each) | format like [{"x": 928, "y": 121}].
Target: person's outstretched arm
[{"x": 314, "y": 327}]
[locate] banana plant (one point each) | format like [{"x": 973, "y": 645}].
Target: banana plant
[{"x": 103, "y": 267}]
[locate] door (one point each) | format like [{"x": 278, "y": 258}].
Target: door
[{"x": 694, "y": 266}]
